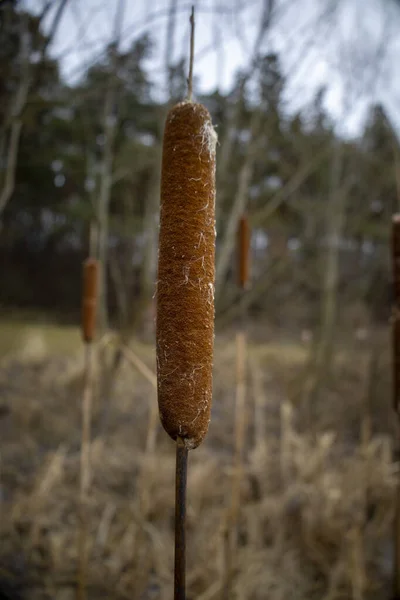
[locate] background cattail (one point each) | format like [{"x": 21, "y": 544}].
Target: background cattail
[
  {"x": 185, "y": 287},
  {"x": 244, "y": 252},
  {"x": 89, "y": 298}
]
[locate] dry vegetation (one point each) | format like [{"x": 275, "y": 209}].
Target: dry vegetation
[{"x": 316, "y": 515}]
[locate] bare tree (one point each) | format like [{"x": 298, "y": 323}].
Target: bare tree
[
  {"x": 110, "y": 122},
  {"x": 11, "y": 131},
  {"x": 334, "y": 221}
]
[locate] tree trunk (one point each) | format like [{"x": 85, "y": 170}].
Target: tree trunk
[
  {"x": 109, "y": 127},
  {"x": 322, "y": 351},
  {"x": 335, "y": 218},
  {"x": 104, "y": 205},
  {"x": 13, "y": 131}
]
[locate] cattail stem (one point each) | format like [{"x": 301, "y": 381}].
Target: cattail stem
[
  {"x": 85, "y": 472},
  {"x": 366, "y": 426},
  {"x": 241, "y": 353},
  {"x": 240, "y": 411},
  {"x": 227, "y": 575},
  {"x": 89, "y": 301},
  {"x": 191, "y": 58},
  {"x": 396, "y": 386},
  {"x": 396, "y": 566},
  {"x": 180, "y": 520},
  {"x": 231, "y": 534},
  {"x": 259, "y": 403},
  {"x": 231, "y": 543}
]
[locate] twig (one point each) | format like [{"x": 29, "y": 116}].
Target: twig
[
  {"x": 148, "y": 374},
  {"x": 140, "y": 366}
]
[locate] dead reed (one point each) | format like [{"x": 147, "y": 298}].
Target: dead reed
[{"x": 295, "y": 541}]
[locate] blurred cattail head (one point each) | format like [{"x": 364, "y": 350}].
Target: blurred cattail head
[
  {"x": 186, "y": 272},
  {"x": 89, "y": 298}
]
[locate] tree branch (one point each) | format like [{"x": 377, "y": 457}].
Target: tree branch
[{"x": 288, "y": 189}]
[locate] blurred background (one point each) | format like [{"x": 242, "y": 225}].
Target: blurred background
[{"x": 305, "y": 98}]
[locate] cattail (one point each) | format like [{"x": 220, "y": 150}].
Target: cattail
[
  {"x": 244, "y": 252},
  {"x": 185, "y": 287},
  {"x": 89, "y": 298}
]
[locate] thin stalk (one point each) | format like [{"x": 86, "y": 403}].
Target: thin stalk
[
  {"x": 396, "y": 388},
  {"x": 231, "y": 532},
  {"x": 180, "y": 521},
  {"x": 191, "y": 59},
  {"x": 396, "y": 530},
  {"x": 366, "y": 424},
  {"x": 240, "y": 415}
]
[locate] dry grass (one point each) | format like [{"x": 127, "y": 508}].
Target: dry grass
[
  {"x": 315, "y": 516},
  {"x": 20, "y": 336}
]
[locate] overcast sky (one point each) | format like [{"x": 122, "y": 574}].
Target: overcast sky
[{"x": 350, "y": 46}]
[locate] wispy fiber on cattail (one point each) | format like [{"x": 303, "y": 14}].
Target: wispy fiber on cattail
[
  {"x": 89, "y": 298},
  {"x": 244, "y": 237},
  {"x": 186, "y": 272}
]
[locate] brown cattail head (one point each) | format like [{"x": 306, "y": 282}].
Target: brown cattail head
[
  {"x": 243, "y": 252},
  {"x": 396, "y": 309},
  {"x": 89, "y": 298},
  {"x": 186, "y": 272}
]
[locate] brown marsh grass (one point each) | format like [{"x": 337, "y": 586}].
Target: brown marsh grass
[{"x": 305, "y": 528}]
